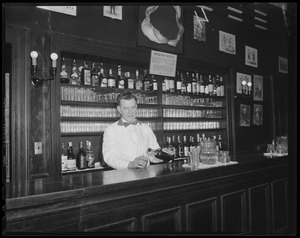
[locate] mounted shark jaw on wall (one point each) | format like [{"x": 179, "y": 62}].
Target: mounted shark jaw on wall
[{"x": 153, "y": 34}]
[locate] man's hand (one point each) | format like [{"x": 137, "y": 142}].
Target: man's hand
[
  {"x": 152, "y": 157},
  {"x": 139, "y": 162}
]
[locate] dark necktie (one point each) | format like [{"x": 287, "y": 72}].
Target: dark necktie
[{"x": 121, "y": 123}]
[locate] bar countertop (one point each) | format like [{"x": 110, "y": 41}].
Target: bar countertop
[{"x": 155, "y": 175}]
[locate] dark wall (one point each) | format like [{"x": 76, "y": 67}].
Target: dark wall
[{"x": 90, "y": 23}]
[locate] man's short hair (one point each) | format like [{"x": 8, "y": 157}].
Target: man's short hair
[{"x": 126, "y": 95}]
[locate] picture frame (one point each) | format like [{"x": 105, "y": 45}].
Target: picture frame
[
  {"x": 258, "y": 88},
  {"x": 114, "y": 12},
  {"x": 240, "y": 89},
  {"x": 251, "y": 57},
  {"x": 161, "y": 28},
  {"x": 282, "y": 65},
  {"x": 199, "y": 30},
  {"x": 227, "y": 42},
  {"x": 257, "y": 114},
  {"x": 245, "y": 115}
]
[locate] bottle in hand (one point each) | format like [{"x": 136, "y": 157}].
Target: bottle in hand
[{"x": 163, "y": 154}]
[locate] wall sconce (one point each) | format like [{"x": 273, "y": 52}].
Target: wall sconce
[
  {"x": 35, "y": 79},
  {"x": 249, "y": 84},
  {"x": 244, "y": 82}
]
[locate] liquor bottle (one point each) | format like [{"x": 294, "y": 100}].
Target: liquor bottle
[
  {"x": 197, "y": 84},
  {"x": 216, "y": 141},
  {"x": 89, "y": 155},
  {"x": 194, "y": 84},
  {"x": 206, "y": 88},
  {"x": 210, "y": 85},
  {"x": 220, "y": 143},
  {"x": 171, "y": 85},
  {"x": 146, "y": 81},
  {"x": 74, "y": 76},
  {"x": 178, "y": 82},
  {"x": 218, "y": 86},
  {"x": 154, "y": 85},
  {"x": 81, "y": 157},
  {"x": 64, "y": 77},
  {"x": 214, "y": 87},
  {"x": 85, "y": 75},
  {"x": 202, "y": 86},
  {"x": 180, "y": 147},
  {"x": 183, "y": 84},
  {"x": 120, "y": 79},
  {"x": 71, "y": 158},
  {"x": 129, "y": 82},
  {"x": 175, "y": 146},
  {"x": 64, "y": 158},
  {"x": 188, "y": 83},
  {"x": 111, "y": 80},
  {"x": 167, "y": 84},
  {"x": 171, "y": 145},
  {"x": 192, "y": 145},
  {"x": 138, "y": 81},
  {"x": 198, "y": 144},
  {"x": 103, "y": 77},
  {"x": 222, "y": 90},
  {"x": 163, "y": 154},
  {"x": 95, "y": 76},
  {"x": 186, "y": 147}
]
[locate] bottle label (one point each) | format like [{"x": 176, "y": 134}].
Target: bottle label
[
  {"x": 90, "y": 160},
  {"x": 71, "y": 164},
  {"x": 178, "y": 85},
  {"x": 202, "y": 90},
  {"x": 104, "y": 82},
  {"x": 64, "y": 163},
  {"x": 87, "y": 77},
  {"x": 82, "y": 162},
  {"x": 139, "y": 85},
  {"x": 130, "y": 84},
  {"x": 95, "y": 80},
  {"x": 121, "y": 84},
  {"x": 111, "y": 83},
  {"x": 189, "y": 88},
  {"x": 222, "y": 92},
  {"x": 154, "y": 86}
]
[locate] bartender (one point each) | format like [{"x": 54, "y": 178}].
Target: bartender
[{"x": 125, "y": 142}]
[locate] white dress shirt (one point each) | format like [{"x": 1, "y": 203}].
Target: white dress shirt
[{"x": 123, "y": 144}]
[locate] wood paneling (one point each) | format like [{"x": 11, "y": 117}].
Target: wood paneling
[{"x": 259, "y": 209}]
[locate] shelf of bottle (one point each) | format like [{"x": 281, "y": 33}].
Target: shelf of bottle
[
  {"x": 68, "y": 134},
  {"x": 193, "y": 130},
  {"x": 112, "y": 119},
  {"x": 190, "y": 107},
  {"x": 102, "y": 104},
  {"x": 111, "y": 90},
  {"x": 194, "y": 95},
  {"x": 194, "y": 118}
]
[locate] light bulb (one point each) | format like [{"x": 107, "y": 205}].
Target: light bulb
[
  {"x": 34, "y": 55},
  {"x": 244, "y": 82},
  {"x": 54, "y": 57},
  {"x": 249, "y": 84}
]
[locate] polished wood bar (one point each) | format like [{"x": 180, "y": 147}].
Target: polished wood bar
[{"x": 245, "y": 198}]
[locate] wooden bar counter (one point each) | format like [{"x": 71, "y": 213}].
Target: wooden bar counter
[{"x": 243, "y": 198}]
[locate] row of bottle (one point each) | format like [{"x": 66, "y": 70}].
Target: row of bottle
[
  {"x": 180, "y": 100},
  {"x": 96, "y": 127},
  {"x": 74, "y": 111},
  {"x": 181, "y": 148},
  {"x": 82, "y": 94},
  {"x": 193, "y": 83},
  {"x": 184, "y": 113},
  {"x": 83, "y": 159},
  {"x": 192, "y": 125}
]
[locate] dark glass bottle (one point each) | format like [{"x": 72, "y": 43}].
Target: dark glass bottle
[
  {"x": 146, "y": 81},
  {"x": 81, "y": 157},
  {"x": 120, "y": 79},
  {"x": 186, "y": 147},
  {"x": 180, "y": 147},
  {"x": 103, "y": 77},
  {"x": 71, "y": 158},
  {"x": 163, "y": 154},
  {"x": 210, "y": 85},
  {"x": 64, "y": 77},
  {"x": 64, "y": 158},
  {"x": 194, "y": 84},
  {"x": 183, "y": 84},
  {"x": 111, "y": 80},
  {"x": 74, "y": 76},
  {"x": 138, "y": 81},
  {"x": 95, "y": 76},
  {"x": 85, "y": 75},
  {"x": 202, "y": 86},
  {"x": 89, "y": 155}
]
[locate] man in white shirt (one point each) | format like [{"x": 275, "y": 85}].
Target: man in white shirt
[{"x": 125, "y": 142}]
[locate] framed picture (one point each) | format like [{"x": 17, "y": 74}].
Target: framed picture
[
  {"x": 257, "y": 114},
  {"x": 250, "y": 56},
  {"x": 227, "y": 42},
  {"x": 161, "y": 28},
  {"x": 240, "y": 88},
  {"x": 283, "y": 65},
  {"x": 114, "y": 12},
  {"x": 258, "y": 88},
  {"x": 244, "y": 115},
  {"x": 199, "y": 30}
]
